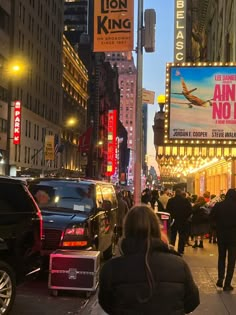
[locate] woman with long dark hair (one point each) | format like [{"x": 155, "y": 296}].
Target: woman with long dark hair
[{"x": 149, "y": 277}]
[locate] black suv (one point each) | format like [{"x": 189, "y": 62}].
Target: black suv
[
  {"x": 77, "y": 214},
  {"x": 20, "y": 238}
]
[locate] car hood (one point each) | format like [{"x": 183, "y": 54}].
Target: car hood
[{"x": 60, "y": 220}]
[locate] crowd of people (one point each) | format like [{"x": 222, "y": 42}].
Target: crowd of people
[{"x": 150, "y": 276}]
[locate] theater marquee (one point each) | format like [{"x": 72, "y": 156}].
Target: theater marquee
[{"x": 201, "y": 102}]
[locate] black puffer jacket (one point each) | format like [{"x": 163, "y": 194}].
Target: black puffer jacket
[
  {"x": 223, "y": 214},
  {"x": 123, "y": 282}
]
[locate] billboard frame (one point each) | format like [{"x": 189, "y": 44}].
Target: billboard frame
[{"x": 168, "y": 139}]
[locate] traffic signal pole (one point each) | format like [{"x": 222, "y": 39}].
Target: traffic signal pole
[{"x": 138, "y": 144}]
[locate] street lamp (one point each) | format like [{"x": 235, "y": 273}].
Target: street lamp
[
  {"x": 138, "y": 146},
  {"x": 71, "y": 157},
  {"x": 71, "y": 122},
  {"x": 161, "y": 100},
  {"x": 14, "y": 70}
]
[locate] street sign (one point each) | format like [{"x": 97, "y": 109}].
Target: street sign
[{"x": 148, "y": 97}]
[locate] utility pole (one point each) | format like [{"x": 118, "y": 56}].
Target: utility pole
[
  {"x": 138, "y": 145},
  {"x": 146, "y": 39}
]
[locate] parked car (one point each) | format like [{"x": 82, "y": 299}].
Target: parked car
[
  {"x": 20, "y": 238},
  {"x": 77, "y": 214}
]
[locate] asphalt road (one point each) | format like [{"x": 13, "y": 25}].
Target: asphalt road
[{"x": 33, "y": 298}]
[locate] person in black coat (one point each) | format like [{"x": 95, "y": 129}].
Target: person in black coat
[
  {"x": 224, "y": 215},
  {"x": 149, "y": 277},
  {"x": 121, "y": 212},
  {"x": 180, "y": 210},
  {"x": 200, "y": 222}
]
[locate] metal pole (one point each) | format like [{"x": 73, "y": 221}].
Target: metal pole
[
  {"x": 9, "y": 136},
  {"x": 10, "y": 92},
  {"x": 138, "y": 147}
]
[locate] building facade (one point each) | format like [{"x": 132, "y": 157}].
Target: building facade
[
  {"x": 5, "y": 13},
  {"x": 127, "y": 84},
  {"x": 74, "y": 110},
  {"x": 76, "y": 16},
  {"x": 35, "y": 54}
]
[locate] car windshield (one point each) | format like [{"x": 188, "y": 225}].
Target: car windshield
[{"x": 63, "y": 195}]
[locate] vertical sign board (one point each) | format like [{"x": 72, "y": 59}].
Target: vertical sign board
[
  {"x": 49, "y": 154},
  {"x": 17, "y": 123},
  {"x": 113, "y": 25},
  {"x": 180, "y": 31},
  {"x": 111, "y": 143}
]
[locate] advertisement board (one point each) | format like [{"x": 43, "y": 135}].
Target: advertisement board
[
  {"x": 49, "y": 148},
  {"x": 113, "y": 25},
  {"x": 201, "y": 102}
]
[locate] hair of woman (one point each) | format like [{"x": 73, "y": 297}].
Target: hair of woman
[{"x": 143, "y": 224}]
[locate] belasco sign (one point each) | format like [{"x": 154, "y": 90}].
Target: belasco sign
[
  {"x": 180, "y": 31},
  {"x": 113, "y": 25}
]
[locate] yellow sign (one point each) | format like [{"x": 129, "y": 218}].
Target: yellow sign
[
  {"x": 148, "y": 97},
  {"x": 113, "y": 25},
  {"x": 49, "y": 154}
]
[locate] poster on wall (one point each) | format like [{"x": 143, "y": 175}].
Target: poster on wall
[{"x": 202, "y": 102}]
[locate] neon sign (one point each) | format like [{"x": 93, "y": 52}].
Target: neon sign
[
  {"x": 17, "y": 123},
  {"x": 111, "y": 140}
]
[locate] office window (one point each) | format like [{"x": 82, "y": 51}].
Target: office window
[{"x": 26, "y": 127}]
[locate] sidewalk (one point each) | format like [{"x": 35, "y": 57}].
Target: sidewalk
[{"x": 203, "y": 263}]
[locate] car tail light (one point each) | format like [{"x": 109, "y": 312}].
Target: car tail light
[
  {"x": 75, "y": 231},
  {"x": 74, "y": 243},
  {"x": 75, "y": 236}
]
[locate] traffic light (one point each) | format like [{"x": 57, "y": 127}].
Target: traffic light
[{"x": 149, "y": 30}]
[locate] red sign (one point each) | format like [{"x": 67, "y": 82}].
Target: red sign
[
  {"x": 85, "y": 140},
  {"x": 111, "y": 140},
  {"x": 17, "y": 123}
]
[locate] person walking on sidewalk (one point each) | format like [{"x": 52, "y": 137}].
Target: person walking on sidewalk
[
  {"x": 149, "y": 277},
  {"x": 224, "y": 215},
  {"x": 164, "y": 198},
  {"x": 199, "y": 222},
  {"x": 121, "y": 212},
  {"x": 180, "y": 210}
]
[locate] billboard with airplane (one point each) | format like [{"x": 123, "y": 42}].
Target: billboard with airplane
[{"x": 202, "y": 102}]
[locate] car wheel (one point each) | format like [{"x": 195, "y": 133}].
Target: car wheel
[{"x": 7, "y": 288}]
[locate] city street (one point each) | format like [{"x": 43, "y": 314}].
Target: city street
[{"x": 33, "y": 297}]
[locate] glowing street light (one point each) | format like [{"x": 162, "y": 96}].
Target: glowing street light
[
  {"x": 71, "y": 122},
  {"x": 161, "y": 100},
  {"x": 15, "y": 69}
]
